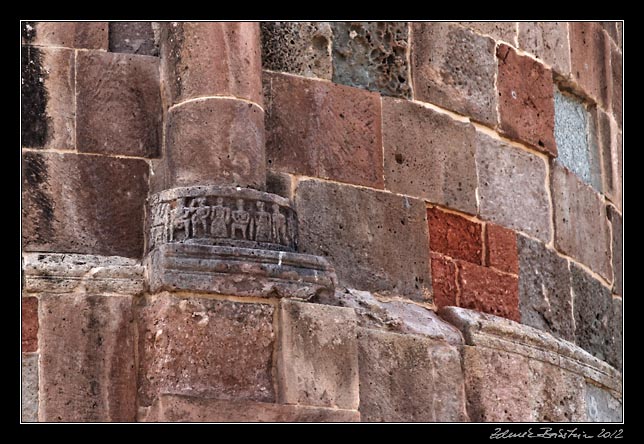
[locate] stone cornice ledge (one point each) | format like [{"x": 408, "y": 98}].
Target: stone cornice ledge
[{"x": 484, "y": 330}]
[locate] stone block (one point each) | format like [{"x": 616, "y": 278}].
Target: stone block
[
  {"x": 409, "y": 378},
  {"x": 616, "y": 338},
  {"x": 215, "y": 142},
  {"x": 201, "y": 59},
  {"x": 118, "y": 104},
  {"x": 501, "y": 249},
  {"x": 372, "y": 55},
  {"x": 487, "y": 290},
  {"x": 595, "y": 320},
  {"x": 83, "y": 204},
  {"x": 547, "y": 41},
  {"x": 608, "y": 139},
  {"x": 302, "y": 48},
  {"x": 85, "y": 35},
  {"x": 376, "y": 241},
  {"x": 616, "y": 65},
  {"x": 204, "y": 347},
  {"x": 428, "y": 154},
  {"x": 512, "y": 188},
  {"x": 324, "y": 130},
  {"x": 590, "y": 60},
  {"x": 29, "y": 324},
  {"x": 29, "y": 388},
  {"x": 544, "y": 289},
  {"x": 443, "y": 281},
  {"x": 617, "y": 249},
  {"x": 526, "y": 105},
  {"x": 601, "y": 406},
  {"x": 581, "y": 225},
  {"x": 177, "y": 408},
  {"x": 506, "y": 31},
  {"x": 318, "y": 355},
  {"x": 455, "y": 68},
  {"x": 134, "y": 38},
  {"x": 47, "y": 94},
  {"x": 87, "y": 367},
  {"x": 453, "y": 235},
  {"x": 576, "y": 142}
]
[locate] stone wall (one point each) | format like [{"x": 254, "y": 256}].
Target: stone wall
[{"x": 312, "y": 221}]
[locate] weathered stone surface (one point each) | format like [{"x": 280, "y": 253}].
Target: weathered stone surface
[
  {"x": 487, "y": 290},
  {"x": 29, "y": 387},
  {"x": 87, "y": 358},
  {"x": 200, "y": 59},
  {"x": 215, "y": 141},
  {"x": 133, "y": 38},
  {"x": 590, "y": 60},
  {"x": 501, "y": 248},
  {"x": 29, "y": 312},
  {"x": 547, "y": 41},
  {"x": 526, "y": 104},
  {"x": 372, "y": 55},
  {"x": 616, "y": 65},
  {"x": 581, "y": 225},
  {"x": 617, "y": 249},
  {"x": 615, "y": 352},
  {"x": 429, "y": 155},
  {"x": 544, "y": 289},
  {"x": 83, "y": 204},
  {"x": 453, "y": 235},
  {"x": 318, "y": 355},
  {"x": 512, "y": 188},
  {"x": 47, "y": 94},
  {"x": 443, "y": 280},
  {"x": 376, "y": 241},
  {"x": 239, "y": 271},
  {"x": 608, "y": 137},
  {"x": 601, "y": 406},
  {"x": 576, "y": 144},
  {"x": 596, "y": 328},
  {"x": 205, "y": 347},
  {"x": 118, "y": 104},
  {"x": 176, "y": 408},
  {"x": 280, "y": 184},
  {"x": 506, "y": 31},
  {"x": 302, "y": 48},
  {"x": 409, "y": 378},
  {"x": 86, "y": 35},
  {"x": 455, "y": 68},
  {"x": 321, "y": 129}
]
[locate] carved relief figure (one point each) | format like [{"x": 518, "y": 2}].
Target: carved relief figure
[
  {"x": 241, "y": 218},
  {"x": 199, "y": 215},
  {"x": 279, "y": 226},
  {"x": 220, "y": 219},
  {"x": 180, "y": 218},
  {"x": 262, "y": 224}
]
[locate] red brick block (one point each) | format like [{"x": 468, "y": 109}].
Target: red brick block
[
  {"x": 443, "y": 281},
  {"x": 488, "y": 291},
  {"x": 324, "y": 130},
  {"x": 29, "y": 324},
  {"x": 455, "y": 236},
  {"x": 501, "y": 246},
  {"x": 526, "y": 101},
  {"x": 590, "y": 58}
]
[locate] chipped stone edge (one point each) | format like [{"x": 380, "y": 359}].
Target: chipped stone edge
[{"x": 494, "y": 332}]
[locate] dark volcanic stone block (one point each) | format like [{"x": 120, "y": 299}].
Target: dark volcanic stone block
[
  {"x": 133, "y": 38},
  {"x": 618, "y": 248}
]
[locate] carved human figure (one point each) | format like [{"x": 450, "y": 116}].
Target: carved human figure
[
  {"x": 200, "y": 214},
  {"x": 220, "y": 219},
  {"x": 262, "y": 223},
  {"x": 241, "y": 218},
  {"x": 180, "y": 218},
  {"x": 279, "y": 226}
]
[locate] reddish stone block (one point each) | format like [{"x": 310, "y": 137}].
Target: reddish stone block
[
  {"x": 29, "y": 324},
  {"x": 488, "y": 291},
  {"x": 590, "y": 59},
  {"x": 547, "y": 41},
  {"x": 324, "y": 130},
  {"x": 501, "y": 247},
  {"x": 455, "y": 236},
  {"x": 86, "y": 35},
  {"x": 443, "y": 281},
  {"x": 118, "y": 104},
  {"x": 77, "y": 203},
  {"x": 526, "y": 101},
  {"x": 616, "y": 84},
  {"x": 202, "y": 59}
]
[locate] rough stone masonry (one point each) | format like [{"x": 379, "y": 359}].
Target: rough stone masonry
[{"x": 322, "y": 221}]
